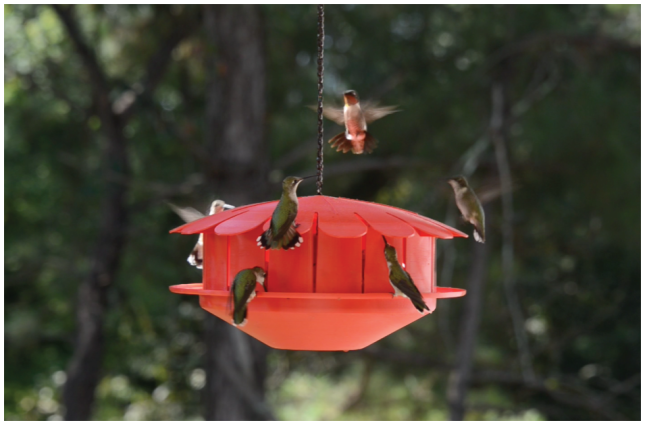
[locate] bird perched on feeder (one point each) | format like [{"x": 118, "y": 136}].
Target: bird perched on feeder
[
  {"x": 243, "y": 291},
  {"x": 282, "y": 232},
  {"x": 188, "y": 214},
  {"x": 355, "y": 119},
  {"x": 469, "y": 206},
  {"x": 401, "y": 280}
]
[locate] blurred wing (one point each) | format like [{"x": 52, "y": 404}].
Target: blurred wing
[
  {"x": 334, "y": 114},
  {"x": 187, "y": 214},
  {"x": 373, "y": 112}
]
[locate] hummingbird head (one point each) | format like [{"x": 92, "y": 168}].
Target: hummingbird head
[
  {"x": 458, "y": 182},
  {"x": 260, "y": 274},
  {"x": 218, "y": 206},
  {"x": 291, "y": 183},
  {"x": 390, "y": 252},
  {"x": 351, "y": 97}
]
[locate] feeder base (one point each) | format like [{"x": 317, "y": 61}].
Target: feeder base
[{"x": 318, "y": 321}]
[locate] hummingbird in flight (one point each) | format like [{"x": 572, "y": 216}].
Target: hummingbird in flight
[
  {"x": 401, "y": 280},
  {"x": 189, "y": 214},
  {"x": 243, "y": 291},
  {"x": 355, "y": 119},
  {"x": 282, "y": 232},
  {"x": 469, "y": 206}
]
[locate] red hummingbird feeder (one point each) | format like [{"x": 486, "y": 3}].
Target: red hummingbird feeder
[{"x": 333, "y": 292}]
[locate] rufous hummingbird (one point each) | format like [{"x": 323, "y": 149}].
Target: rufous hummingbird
[{"x": 355, "y": 119}]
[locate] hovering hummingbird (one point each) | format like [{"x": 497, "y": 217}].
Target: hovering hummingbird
[
  {"x": 469, "y": 206},
  {"x": 188, "y": 214},
  {"x": 282, "y": 232},
  {"x": 355, "y": 119},
  {"x": 401, "y": 280},
  {"x": 243, "y": 291}
]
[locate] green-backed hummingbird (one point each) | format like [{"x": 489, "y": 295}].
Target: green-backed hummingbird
[
  {"x": 355, "y": 119},
  {"x": 401, "y": 280},
  {"x": 469, "y": 206},
  {"x": 282, "y": 232},
  {"x": 243, "y": 291},
  {"x": 189, "y": 214}
]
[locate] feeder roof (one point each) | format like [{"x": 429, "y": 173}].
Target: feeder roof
[{"x": 337, "y": 217}]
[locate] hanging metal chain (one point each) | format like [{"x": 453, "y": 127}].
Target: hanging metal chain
[{"x": 321, "y": 70}]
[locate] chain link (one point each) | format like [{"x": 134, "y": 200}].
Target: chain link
[{"x": 321, "y": 70}]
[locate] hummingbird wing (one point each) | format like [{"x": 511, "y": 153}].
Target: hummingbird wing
[
  {"x": 404, "y": 283},
  {"x": 242, "y": 288},
  {"x": 187, "y": 214},
  {"x": 287, "y": 236},
  {"x": 475, "y": 215},
  {"x": 336, "y": 115},
  {"x": 373, "y": 112}
]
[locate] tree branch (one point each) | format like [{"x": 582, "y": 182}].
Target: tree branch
[
  {"x": 359, "y": 165},
  {"x": 460, "y": 376},
  {"x": 87, "y": 55},
  {"x": 546, "y": 39},
  {"x": 497, "y": 130},
  {"x": 155, "y": 69},
  {"x": 85, "y": 366}
]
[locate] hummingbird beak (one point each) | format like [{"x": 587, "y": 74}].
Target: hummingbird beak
[
  {"x": 385, "y": 240},
  {"x": 228, "y": 207},
  {"x": 308, "y": 177}
]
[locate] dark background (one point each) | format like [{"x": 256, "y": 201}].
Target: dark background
[{"x": 112, "y": 110}]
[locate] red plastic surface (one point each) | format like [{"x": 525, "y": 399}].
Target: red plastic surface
[
  {"x": 319, "y": 322},
  {"x": 331, "y": 293}
]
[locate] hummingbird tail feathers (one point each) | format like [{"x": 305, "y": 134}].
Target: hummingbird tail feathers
[
  {"x": 479, "y": 235},
  {"x": 239, "y": 316},
  {"x": 240, "y": 320},
  {"x": 341, "y": 143},
  {"x": 410, "y": 291},
  {"x": 196, "y": 257},
  {"x": 419, "y": 304},
  {"x": 290, "y": 240},
  {"x": 370, "y": 143}
]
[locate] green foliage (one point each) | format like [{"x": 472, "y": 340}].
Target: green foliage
[{"x": 574, "y": 155}]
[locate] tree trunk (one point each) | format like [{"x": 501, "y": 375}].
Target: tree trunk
[
  {"x": 460, "y": 376},
  {"x": 83, "y": 373},
  {"x": 235, "y": 121}
]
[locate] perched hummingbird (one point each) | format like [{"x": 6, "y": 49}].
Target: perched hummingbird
[
  {"x": 243, "y": 291},
  {"x": 470, "y": 207},
  {"x": 282, "y": 232},
  {"x": 188, "y": 214},
  {"x": 401, "y": 280},
  {"x": 355, "y": 119}
]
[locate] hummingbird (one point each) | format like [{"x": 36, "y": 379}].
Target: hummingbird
[
  {"x": 469, "y": 206},
  {"x": 243, "y": 291},
  {"x": 401, "y": 280},
  {"x": 355, "y": 119},
  {"x": 189, "y": 214},
  {"x": 282, "y": 232}
]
